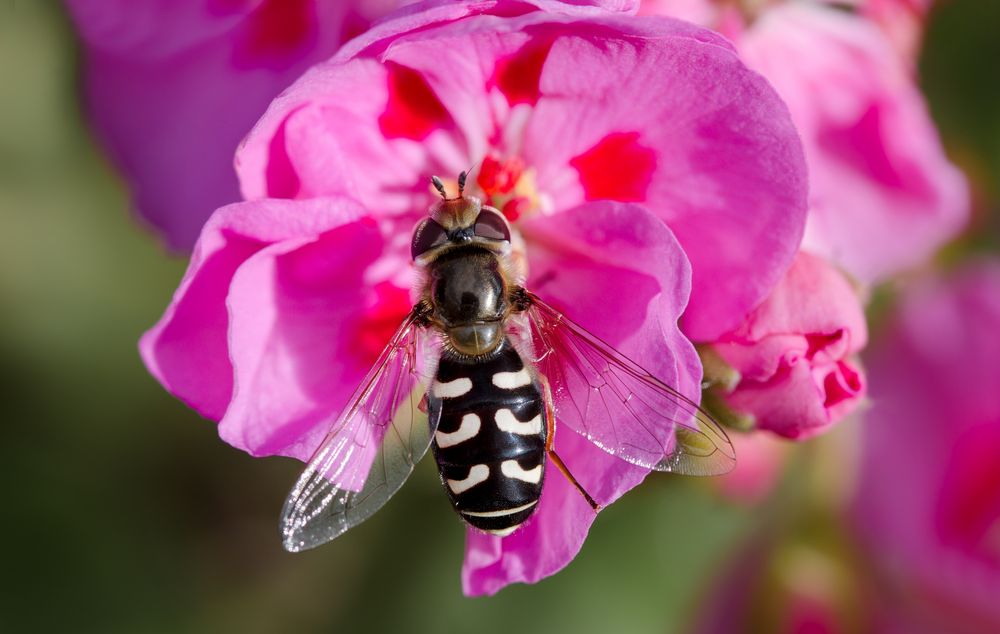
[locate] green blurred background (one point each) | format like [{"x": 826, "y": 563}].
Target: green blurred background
[{"x": 123, "y": 511}]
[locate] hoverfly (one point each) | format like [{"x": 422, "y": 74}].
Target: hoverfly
[{"x": 483, "y": 372}]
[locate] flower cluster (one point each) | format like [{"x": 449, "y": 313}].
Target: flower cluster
[
  {"x": 926, "y": 507},
  {"x": 655, "y": 171},
  {"x": 883, "y": 197},
  {"x": 928, "y": 504}
]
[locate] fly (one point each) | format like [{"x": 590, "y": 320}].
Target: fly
[{"x": 483, "y": 372}]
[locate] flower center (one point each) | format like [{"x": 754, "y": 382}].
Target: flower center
[{"x": 508, "y": 185}]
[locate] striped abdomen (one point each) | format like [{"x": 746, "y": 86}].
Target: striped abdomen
[{"x": 490, "y": 442}]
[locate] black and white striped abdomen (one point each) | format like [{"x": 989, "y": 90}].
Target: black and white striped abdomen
[{"x": 490, "y": 442}]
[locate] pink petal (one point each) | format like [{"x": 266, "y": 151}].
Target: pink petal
[
  {"x": 712, "y": 149},
  {"x": 948, "y": 326},
  {"x": 814, "y": 299},
  {"x": 795, "y": 352},
  {"x": 575, "y": 262},
  {"x": 705, "y": 143},
  {"x": 576, "y": 265},
  {"x": 325, "y": 128},
  {"x": 155, "y": 29},
  {"x": 172, "y": 88},
  {"x": 883, "y": 194},
  {"x": 297, "y": 314},
  {"x": 794, "y": 404},
  {"x": 933, "y": 432},
  {"x": 421, "y": 15},
  {"x": 315, "y": 141},
  {"x": 697, "y": 11},
  {"x": 761, "y": 359},
  {"x": 188, "y": 349},
  {"x": 902, "y": 21}
]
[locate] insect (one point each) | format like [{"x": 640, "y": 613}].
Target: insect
[{"x": 483, "y": 372}]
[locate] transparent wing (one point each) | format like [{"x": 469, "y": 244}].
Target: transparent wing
[
  {"x": 372, "y": 447},
  {"x": 620, "y": 407}
]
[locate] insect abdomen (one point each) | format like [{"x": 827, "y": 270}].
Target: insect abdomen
[{"x": 490, "y": 441}]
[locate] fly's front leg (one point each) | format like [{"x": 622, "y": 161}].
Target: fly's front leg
[{"x": 519, "y": 298}]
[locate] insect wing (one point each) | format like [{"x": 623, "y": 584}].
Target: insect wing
[
  {"x": 609, "y": 399},
  {"x": 372, "y": 447}
]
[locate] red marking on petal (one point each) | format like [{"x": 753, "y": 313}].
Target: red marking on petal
[
  {"x": 817, "y": 342},
  {"x": 517, "y": 76},
  {"x": 275, "y": 34},
  {"x": 499, "y": 177},
  {"x": 968, "y": 508},
  {"x": 516, "y": 207},
  {"x": 617, "y": 168},
  {"x": 387, "y": 308},
  {"x": 841, "y": 385},
  {"x": 413, "y": 110},
  {"x": 282, "y": 179}
]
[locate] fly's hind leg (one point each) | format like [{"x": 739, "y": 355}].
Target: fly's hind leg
[{"x": 550, "y": 426}]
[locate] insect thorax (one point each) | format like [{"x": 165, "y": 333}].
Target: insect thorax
[
  {"x": 468, "y": 292},
  {"x": 490, "y": 442}
]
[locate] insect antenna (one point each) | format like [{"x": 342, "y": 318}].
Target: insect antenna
[
  {"x": 464, "y": 176},
  {"x": 438, "y": 185}
]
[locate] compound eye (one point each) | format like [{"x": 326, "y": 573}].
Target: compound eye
[
  {"x": 427, "y": 235},
  {"x": 492, "y": 226}
]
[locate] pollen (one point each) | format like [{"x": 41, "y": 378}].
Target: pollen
[{"x": 508, "y": 185}]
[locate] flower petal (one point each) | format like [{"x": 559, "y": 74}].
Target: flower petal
[
  {"x": 791, "y": 403},
  {"x": 314, "y": 140},
  {"x": 794, "y": 352},
  {"x": 877, "y": 168},
  {"x": 421, "y": 15},
  {"x": 188, "y": 349},
  {"x": 813, "y": 298},
  {"x": 297, "y": 311},
  {"x": 932, "y": 433},
  {"x": 712, "y": 147},
  {"x": 705, "y": 143},
  {"x": 155, "y": 29},
  {"x": 576, "y": 265},
  {"x": 172, "y": 89}
]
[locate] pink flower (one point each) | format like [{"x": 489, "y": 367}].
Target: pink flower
[
  {"x": 595, "y": 129},
  {"x": 794, "y": 353},
  {"x": 727, "y": 178},
  {"x": 172, "y": 87},
  {"x": 901, "y": 20},
  {"x": 929, "y": 497},
  {"x": 883, "y": 196}
]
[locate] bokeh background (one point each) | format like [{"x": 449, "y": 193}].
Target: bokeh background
[{"x": 123, "y": 512}]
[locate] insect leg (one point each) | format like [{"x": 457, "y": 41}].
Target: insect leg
[{"x": 550, "y": 422}]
